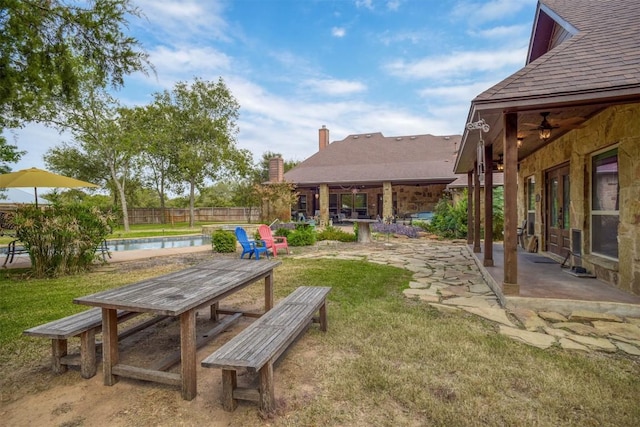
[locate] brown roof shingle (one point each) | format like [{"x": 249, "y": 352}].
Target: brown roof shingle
[
  {"x": 374, "y": 158},
  {"x": 603, "y": 56}
]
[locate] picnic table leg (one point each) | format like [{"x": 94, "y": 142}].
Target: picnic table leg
[
  {"x": 188, "y": 354},
  {"x": 110, "y": 356},
  {"x": 268, "y": 292},
  {"x": 267, "y": 398},
  {"x": 323, "y": 317},
  {"x": 58, "y": 351},
  {"x": 229, "y": 383},
  {"x": 214, "y": 311},
  {"x": 88, "y": 353}
]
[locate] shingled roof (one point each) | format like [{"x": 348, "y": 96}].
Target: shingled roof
[
  {"x": 371, "y": 159},
  {"x": 603, "y": 56}
]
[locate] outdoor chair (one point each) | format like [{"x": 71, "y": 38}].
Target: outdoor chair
[
  {"x": 272, "y": 242},
  {"x": 250, "y": 246},
  {"x": 521, "y": 233}
]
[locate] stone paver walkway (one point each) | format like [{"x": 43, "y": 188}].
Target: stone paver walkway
[{"x": 446, "y": 277}]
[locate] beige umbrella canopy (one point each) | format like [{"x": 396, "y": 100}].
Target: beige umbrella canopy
[{"x": 35, "y": 178}]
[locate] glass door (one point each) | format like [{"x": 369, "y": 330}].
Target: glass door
[{"x": 557, "y": 211}]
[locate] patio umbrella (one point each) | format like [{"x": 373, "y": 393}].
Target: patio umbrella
[{"x": 35, "y": 178}]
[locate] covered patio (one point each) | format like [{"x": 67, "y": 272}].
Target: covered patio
[
  {"x": 545, "y": 285},
  {"x": 566, "y": 139}
]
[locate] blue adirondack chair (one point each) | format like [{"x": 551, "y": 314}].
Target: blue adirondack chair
[{"x": 249, "y": 246}]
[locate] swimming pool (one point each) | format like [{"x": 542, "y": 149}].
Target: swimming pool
[{"x": 158, "y": 243}]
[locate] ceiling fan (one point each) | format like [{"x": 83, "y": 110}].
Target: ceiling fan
[{"x": 547, "y": 124}]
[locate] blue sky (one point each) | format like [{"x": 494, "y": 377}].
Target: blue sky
[{"x": 400, "y": 67}]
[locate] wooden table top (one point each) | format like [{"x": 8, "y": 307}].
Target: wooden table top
[{"x": 175, "y": 293}]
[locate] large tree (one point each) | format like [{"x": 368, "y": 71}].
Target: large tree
[
  {"x": 46, "y": 46},
  {"x": 206, "y": 136},
  {"x": 155, "y": 129},
  {"x": 106, "y": 144},
  {"x": 8, "y": 154}
]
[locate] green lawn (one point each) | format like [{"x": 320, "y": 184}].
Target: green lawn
[{"x": 385, "y": 361}]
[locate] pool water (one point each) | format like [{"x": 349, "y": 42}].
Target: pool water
[{"x": 157, "y": 243}]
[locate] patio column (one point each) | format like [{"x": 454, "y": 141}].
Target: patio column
[
  {"x": 488, "y": 206},
  {"x": 469, "y": 208},
  {"x": 387, "y": 200},
  {"x": 510, "y": 285},
  {"x": 476, "y": 209},
  {"x": 324, "y": 204}
]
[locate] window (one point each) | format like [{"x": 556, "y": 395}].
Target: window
[
  {"x": 333, "y": 204},
  {"x": 605, "y": 204},
  {"x": 357, "y": 202},
  {"x": 531, "y": 205},
  {"x": 302, "y": 203}
]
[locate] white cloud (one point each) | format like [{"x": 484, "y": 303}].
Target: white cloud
[
  {"x": 456, "y": 64},
  {"x": 338, "y": 32},
  {"x": 334, "y": 86},
  {"x": 393, "y": 4},
  {"x": 478, "y": 12},
  {"x": 185, "y": 19},
  {"x": 503, "y": 32},
  {"x": 414, "y": 37},
  {"x": 189, "y": 61},
  {"x": 456, "y": 93},
  {"x": 368, "y": 4}
]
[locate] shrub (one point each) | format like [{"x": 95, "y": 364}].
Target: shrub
[
  {"x": 61, "y": 239},
  {"x": 450, "y": 221},
  {"x": 223, "y": 241},
  {"x": 333, "y": 233},
  {"x": 302, "y": 236},
  {"x": 282, "y": 232}
]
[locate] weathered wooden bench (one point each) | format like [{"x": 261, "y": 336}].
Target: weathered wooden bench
[
  {"x": 260, "y": 345},
  {"x": 86, "y": 325}
]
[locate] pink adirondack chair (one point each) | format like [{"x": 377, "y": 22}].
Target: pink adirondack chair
[{"x": 273, "y": 242}]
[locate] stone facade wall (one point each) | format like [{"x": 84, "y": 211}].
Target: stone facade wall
[
  {"x": 413, "y": 198},
  {"x": 619, "y": 127}
]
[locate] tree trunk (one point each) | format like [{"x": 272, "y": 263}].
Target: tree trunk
[
  {"x": 123, "y": 199},
  {"x": 163, "y": 209},
  {"x": 192, "y": 199}
]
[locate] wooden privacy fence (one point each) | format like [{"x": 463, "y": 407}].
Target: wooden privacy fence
[{"x": 176, "y": 215}]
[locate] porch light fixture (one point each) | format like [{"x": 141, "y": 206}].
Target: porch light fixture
[
  {"x": 520, "y": 139},
  {"x": 544, "y": 130},
  {"x": 500, "y": 163}
]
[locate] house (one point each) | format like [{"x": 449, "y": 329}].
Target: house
[
  {"x": 372, "y": 176},
  {"x": 566, "y": 130}
]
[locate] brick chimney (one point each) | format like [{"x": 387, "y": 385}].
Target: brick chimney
[
  {"x": 276, "y": 169},
  {"x": 324, "y": 138}
]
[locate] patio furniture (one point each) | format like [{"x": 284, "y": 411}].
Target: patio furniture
[
  {"x": 272, "y": 242},
  {"x": 249, "y": 246},
  {"x": 260, "y": 344},
  {"x": 179, "y": 294},
  {"x": 364, "y": 231},
  {"x": 85, "y": 325},
  {"x": 521, "y": 232}
]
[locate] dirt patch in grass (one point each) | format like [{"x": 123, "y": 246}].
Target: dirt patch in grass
[{"x": 33, "y": 395}]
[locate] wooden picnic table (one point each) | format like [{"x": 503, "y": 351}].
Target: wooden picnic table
[{"x": 179, "y": 294}]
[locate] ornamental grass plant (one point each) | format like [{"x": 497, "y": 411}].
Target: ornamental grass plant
[{"x": 61, "y": 239}]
